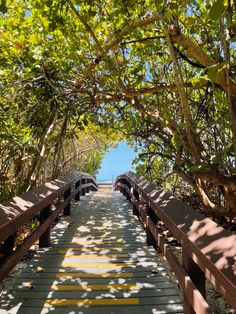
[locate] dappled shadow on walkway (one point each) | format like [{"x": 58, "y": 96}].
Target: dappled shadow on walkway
[
  {"x": 99, "y": 263},
  {"x": 211, "y": 246}
]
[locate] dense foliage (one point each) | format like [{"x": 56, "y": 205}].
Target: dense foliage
[{"x": 78, "y": 75}]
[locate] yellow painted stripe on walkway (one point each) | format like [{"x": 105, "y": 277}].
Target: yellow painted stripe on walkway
[
  {"x": 124, "y": 286},
  {"x": 95, "y": 255},
  {"x": 99, "y": 232},
  {"x": 84, "y": 275},
  {"x": 97, "y": 242},
  {"x": 105, "y": 235},
  {"x": 62, "y": 251},
  {"x": 99, "y": 265},
  {"x": 63, "y": 302}
]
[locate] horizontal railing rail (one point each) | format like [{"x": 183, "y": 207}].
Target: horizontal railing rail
[
  {"x": 46, "y": 202},
  {"x": 208, "y": 250}
]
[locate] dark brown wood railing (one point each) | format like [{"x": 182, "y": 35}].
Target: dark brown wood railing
[
  {"x": 46, "y": 202},
  {"x": 208, "y": 250}
]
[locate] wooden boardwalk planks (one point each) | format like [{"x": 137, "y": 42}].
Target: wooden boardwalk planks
[{"x": 99, "y": 263}]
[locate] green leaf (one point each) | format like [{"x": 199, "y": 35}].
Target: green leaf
[
  {"x": 189, "y": 20},
  {"x": 89, "y": 2},
  {"x": 199, "y": 81},
  {"x": 215, "y": 159},
  {"x": 176, "y": 140},
  {"x": 37, "y": 53},
  {"x": 230, "y": 150},
  {"x": 212, "y": 73},
  {"x": 197, "y": 167},
  {"x": 3, "y": 7},
  {"x": 216, "y": 10},
  {"x": 49, "y": 3}
]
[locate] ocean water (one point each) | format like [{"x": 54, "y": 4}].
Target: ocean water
[{"x": 105, "y": 180}]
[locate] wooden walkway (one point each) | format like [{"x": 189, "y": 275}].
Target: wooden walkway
[{"x": 98, "y": 263}]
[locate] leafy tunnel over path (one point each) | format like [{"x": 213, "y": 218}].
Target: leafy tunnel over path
[{"x": 78, "y": 76}]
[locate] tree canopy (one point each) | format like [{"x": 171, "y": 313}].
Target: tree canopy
[{"x": 79, "y": 75}]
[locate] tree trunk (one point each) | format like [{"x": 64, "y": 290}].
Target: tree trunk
[
  {"x": 57, "y": 153},
  {"x": 230, "y": 99},
  {"x": 31, "y": 177},
  {"x": 184, "y": 106}
]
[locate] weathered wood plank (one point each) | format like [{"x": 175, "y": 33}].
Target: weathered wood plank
[
  {"x": 150, "y": 282},
  {"x": 31, "y": 294},
  {"x": 173, "y": 302},
  {"x": 53, "y": 274},
  {"x": 103, "y": 310}
]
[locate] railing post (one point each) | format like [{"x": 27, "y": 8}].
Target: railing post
[
  {"x": 129, "y": 191},
  {"x": 77, "y": 195},
  {"x": 8, "y": 245},
  {"x": 135, "y": 210},
  {"x": 143, "y": 208},
  {"x": 135, "y": 196},
  {"x": 127, "y": 195},
  {"x": 83, "y": 181},
  {"x": 126, "y": 190},
  {"x": 92, "y": 187},
  {"x": 123, "y": 191},
  {"x": 151, "y": 241},
  {"x": 44, "y": 240},
  {"x": 117, "y": 187},
  {"x": 87, "y": 188},
  {"x": 67, "y": 208},
  {"x": 197, "y": 276}
]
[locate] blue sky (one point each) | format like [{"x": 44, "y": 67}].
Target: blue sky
[{"x": 116, "y": 161}]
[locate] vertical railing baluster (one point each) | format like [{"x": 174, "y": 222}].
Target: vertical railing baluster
[
  {"x": 77, "y": 195},
  {"x": 87, "y": 188},
  {"x": 66, "y": 194},
  {"x": 151, "y": 241},
  {"x": 197, "y": 276},
  {"x": 83, "y": 189},
  {"x": 8, "y": 245},
  {"x": 44, "y": 240},
  {"x": 135, "y": 201},
  {"x": 127, "y": 190}
]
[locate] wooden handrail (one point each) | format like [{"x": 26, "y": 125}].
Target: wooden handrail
[
  {"x": 22, "y": 209},
  {"x": 208, "y": 250}
]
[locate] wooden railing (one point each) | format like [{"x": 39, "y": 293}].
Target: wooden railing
[
  {"x": 46, "y": 202},
  {"x": 208, "y": 250}
]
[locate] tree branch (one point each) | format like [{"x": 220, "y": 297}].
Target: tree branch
[
  {"x": 183, "y": 56},
  {"x": 112, "y": 44},
  {"x": 140, "y": 40},
  {"x": 207, "y": 61}
]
